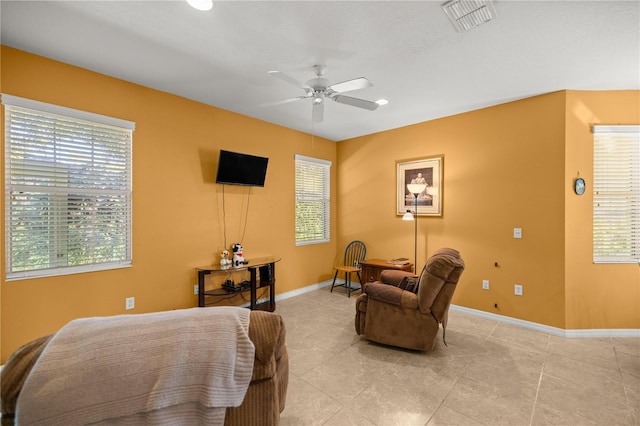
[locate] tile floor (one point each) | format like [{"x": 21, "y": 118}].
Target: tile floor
[{"x": 490, "y": 373}]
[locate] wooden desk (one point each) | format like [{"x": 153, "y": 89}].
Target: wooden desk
[
  {"x": 371, "y": 268},
  {"x": 265, "y": 265}
]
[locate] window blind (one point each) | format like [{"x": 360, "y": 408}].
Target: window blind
[
  {"x": 313, "y": 200},
  {"x": 68, "y": 190},
  {"x": 616, "y": 194}
]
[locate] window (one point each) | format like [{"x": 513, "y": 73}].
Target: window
[
  {"x": 313, "y": 200},
  {"x": 616, "y": 194},
  {"x": 68, "y": 190}
]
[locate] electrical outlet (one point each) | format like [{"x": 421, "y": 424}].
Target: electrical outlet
[
  {"x": 195, "y": 289},
  {"x": 130, "y": 303},
  {"x": 518, "y": 290},
  {"x": 485, "y": 284},
  {"x": 517, "y": 232}
]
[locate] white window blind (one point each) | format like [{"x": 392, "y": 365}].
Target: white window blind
[
  {"x": 313, "y": 200},
  {"x": 68, "y": 190},
  {"x": 616, "y": 194}
]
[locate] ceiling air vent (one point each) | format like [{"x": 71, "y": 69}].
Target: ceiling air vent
[{"x": 468, "y": 14}]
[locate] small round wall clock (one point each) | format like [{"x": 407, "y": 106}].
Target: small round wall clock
[{"x": 579, "y": 186}]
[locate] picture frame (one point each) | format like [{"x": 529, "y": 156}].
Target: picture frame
[{"x": 427, "y": 170}]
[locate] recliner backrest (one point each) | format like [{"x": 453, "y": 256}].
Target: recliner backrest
[{"x": 438, "y": 280}]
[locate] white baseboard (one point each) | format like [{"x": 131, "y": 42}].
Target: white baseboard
[
  {"x": 303, "y": 290},
  {"x": 555, "y": 331},
  {"x": 312, "y": 287},
  {"x": 296, "y": 292},
  {"x": 574, "y": 333}
]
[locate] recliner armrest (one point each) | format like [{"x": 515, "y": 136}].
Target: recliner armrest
[
  {"x": 392, "y": 295},
  {"x": 267, "y": 333}
]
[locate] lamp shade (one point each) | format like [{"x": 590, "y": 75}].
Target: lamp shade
[
  {"x": 408, "y": 215},
  {"x": 416, "y": 188}
]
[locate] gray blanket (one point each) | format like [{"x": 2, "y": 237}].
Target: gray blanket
[{"x": 179, "y": 367}]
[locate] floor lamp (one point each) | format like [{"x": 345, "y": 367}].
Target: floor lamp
[{"x": 416, "y": 189}]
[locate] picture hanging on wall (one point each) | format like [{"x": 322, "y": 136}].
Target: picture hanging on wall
[{"x": 425, "y": 170}]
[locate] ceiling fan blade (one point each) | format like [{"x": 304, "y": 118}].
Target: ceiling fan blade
[
  {"x": 289, "y": 79},
  {"x": 349, "y": 85},
  {"x": 360, "y": 103},
  {"x": 317, "y": 113},
  {"x": 284, "y": 101}
]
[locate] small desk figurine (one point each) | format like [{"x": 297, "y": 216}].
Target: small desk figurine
[
  {"x": 224, "y": 258},
  {"x": 238, "y": 257}
]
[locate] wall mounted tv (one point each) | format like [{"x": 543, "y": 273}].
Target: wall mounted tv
[{"x": 235, "y": 168}]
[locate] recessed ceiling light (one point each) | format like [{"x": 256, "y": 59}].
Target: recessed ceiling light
[
  {"x": 468, "y": 14},
  {"x": 203, "y": 5},
  {"x": 382, "y": 102}
]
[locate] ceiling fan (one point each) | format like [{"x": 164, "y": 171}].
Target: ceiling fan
[{"x": 319, "y": 89}]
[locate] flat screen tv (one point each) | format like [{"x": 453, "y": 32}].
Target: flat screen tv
[{"x": 235, "y": 168}]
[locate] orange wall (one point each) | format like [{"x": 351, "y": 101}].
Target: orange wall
[
  {"x": 177, "y": 207},
  {"x": 503, "y": 168},
  {"x": 506, "y": 166},
  {"x": 598, "y": 295}
]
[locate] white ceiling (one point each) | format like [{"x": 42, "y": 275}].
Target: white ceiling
[{"x": 408, "y": 49}]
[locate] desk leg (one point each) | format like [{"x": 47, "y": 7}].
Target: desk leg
[
  {"x": 201, "y": 275},
  {"x": 254, "y": 284},
  {"x": 272, "y": 289}
]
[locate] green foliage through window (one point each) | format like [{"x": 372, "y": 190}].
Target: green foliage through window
[
  {"x": 68, "y": 188},
  {"x": 313, "y": 200},
  {"x": 616, "y": 194}
]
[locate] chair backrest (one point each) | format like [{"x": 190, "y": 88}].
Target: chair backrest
[
  {"x": 354, "y": 253},
  {"x": 438, "y": 281}
]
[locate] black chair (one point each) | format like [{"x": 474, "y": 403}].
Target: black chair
[{"x": 353, "y": 255}]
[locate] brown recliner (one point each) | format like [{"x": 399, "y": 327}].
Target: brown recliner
[
  {"x": 406, "y": 310},
  {"x": 263, "y": 402}
]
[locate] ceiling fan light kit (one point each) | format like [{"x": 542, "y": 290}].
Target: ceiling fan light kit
[
  {"x": 319, "y": 89},
  {"x": 202, "y": 5}
]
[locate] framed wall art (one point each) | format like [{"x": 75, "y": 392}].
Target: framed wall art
[{"x": 425, "y": 170}]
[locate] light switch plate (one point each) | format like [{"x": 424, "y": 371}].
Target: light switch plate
[
  {"x": 518, "y": 290},
  {"x": 485, "y": 284},
  {"x": 517, "y": 232}
]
